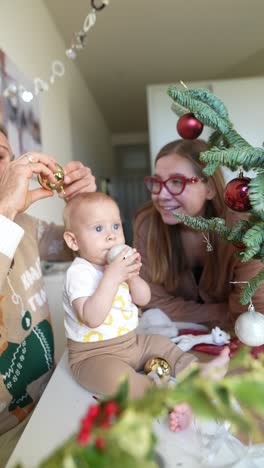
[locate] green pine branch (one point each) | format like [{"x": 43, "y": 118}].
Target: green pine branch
[
  {"x": 254, "y": 235},
  {"x": 203, "y": 225},
  {"x": 250, "y": 289},
  {"x": 238, "y": 231},
  {"x": 205, "y": 96},
  {"x": 217, "y": 139},
  {"x": 228, "y": 148},
  {"x": 210, "y": 110},
  {"x": 256, "y": 192},
  {"x": 178, "y": 110},
  {"x": 245, "y": 157},
  {"x": 250, "y": 253}
]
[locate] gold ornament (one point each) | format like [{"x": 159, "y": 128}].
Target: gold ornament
[
  {"x": 59, "y": 176},
  {"x": 160, "y": 366}
]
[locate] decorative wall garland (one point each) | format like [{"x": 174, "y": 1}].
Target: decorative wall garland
[{"x": 57, "y": 66}]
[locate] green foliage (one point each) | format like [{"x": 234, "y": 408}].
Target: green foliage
[
  {"x": 209, "y": 109},
  {"x": 228, "y": 148},
  {"x": 250, "y": 289},
  {"x": 201, "y": 224},
  {"x": 130, "y": 442},
  {"x": 237, "y": 231},
  {"x": 256, "y": 192},
  {"x": 246, "y": 157},
  {"x": 177, "y": 109},
  {"x": 217, "y": 139}
]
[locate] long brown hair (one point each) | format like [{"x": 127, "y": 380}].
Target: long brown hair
[{"x": 166, "y": 267}]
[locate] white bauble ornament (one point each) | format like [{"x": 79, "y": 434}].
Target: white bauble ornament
[
  {"x": 249, "y": 327},
  {"x": 114, "y": 251}
]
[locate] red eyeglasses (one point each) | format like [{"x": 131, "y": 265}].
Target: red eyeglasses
[{"x": 175, "y": 184}]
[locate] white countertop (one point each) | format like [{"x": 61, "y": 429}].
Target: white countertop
[{"x": 64, "y": 403}]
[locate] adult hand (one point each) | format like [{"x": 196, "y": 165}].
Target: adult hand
[
  {"x": 78, "y": 179},
  {"x": 15, "y": 196}
]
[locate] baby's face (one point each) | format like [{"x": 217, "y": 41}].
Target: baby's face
[{"x": 97, "y": 229}]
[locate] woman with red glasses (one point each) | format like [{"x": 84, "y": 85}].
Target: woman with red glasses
[{"x": 189, "y": 272}]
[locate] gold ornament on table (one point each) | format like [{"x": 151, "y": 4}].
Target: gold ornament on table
[
  {"x": 59, "y": 176},
  {"x": 160, "y": 366}
]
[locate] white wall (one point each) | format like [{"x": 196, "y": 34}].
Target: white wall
[
  {"x": 71, "y": 124},
  {"x": 161, "y": 119},
  {"x": 244, "y": 99}
]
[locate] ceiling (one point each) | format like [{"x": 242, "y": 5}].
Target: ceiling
[{"x": 139, "y": 42}]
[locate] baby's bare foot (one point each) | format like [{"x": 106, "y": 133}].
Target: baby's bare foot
[
  {"x": 180, "y": 417},
  {"x": 217, "y": 368}
]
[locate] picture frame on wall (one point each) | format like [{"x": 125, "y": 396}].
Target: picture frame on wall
[{"x": 19, "y": 108}]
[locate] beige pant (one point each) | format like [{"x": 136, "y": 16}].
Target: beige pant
[
  {"x": 9, "y": 440},
  {"x": 99, "y": 366}
]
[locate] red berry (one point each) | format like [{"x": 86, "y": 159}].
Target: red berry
[
  {"x": 111, "y": 408},
  {"x": 84, "y": 437},
  {"x": 93, "y": 411},
  {"x": 105, "y": 422},
  {"x": 100, "y": 443},
  {"x": 86, "y": 424}
]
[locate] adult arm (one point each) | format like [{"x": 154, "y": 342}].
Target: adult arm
[
  {"x": 181, "y": 310},
  {"x": 15, "y": 196},
  {"x": 10, "y": 236}
]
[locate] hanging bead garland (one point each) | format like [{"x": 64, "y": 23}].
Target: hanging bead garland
[{"x": 57, "y": 66}]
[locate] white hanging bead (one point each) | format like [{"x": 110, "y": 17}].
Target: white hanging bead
[
  {"x": 71, "y": 53},
  {"x": 57, "y": 69},
  {"x": 39, "y": 86},
  {"x": 89, "y": 21}
]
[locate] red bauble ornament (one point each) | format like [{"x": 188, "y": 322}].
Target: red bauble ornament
[
  {"x": 189, "y": 127},
  {"x": 236, "y": 194}
]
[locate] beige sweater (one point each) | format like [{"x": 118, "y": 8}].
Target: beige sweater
[
  {"x": 221, "y": 305},
  {"x": 26, "y": 338}
]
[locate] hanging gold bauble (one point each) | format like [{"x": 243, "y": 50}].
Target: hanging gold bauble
[
  {"x": 160, "y": 366},
  {"x": 59, "y": 176}
]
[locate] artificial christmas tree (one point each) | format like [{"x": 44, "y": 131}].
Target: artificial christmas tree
[{"x": 228, "y": 148}]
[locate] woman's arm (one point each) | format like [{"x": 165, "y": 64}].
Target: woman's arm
[
  {"x": 181, "y": 310},
  {"x": 10, "y": 237}
]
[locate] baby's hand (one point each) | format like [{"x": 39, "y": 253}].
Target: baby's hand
[{"x": 124, "y": 267}]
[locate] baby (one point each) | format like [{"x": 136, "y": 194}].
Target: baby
[{"x": 100, "y": 303}]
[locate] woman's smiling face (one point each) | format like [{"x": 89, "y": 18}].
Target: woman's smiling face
[{"x": 192, "y": 201}]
